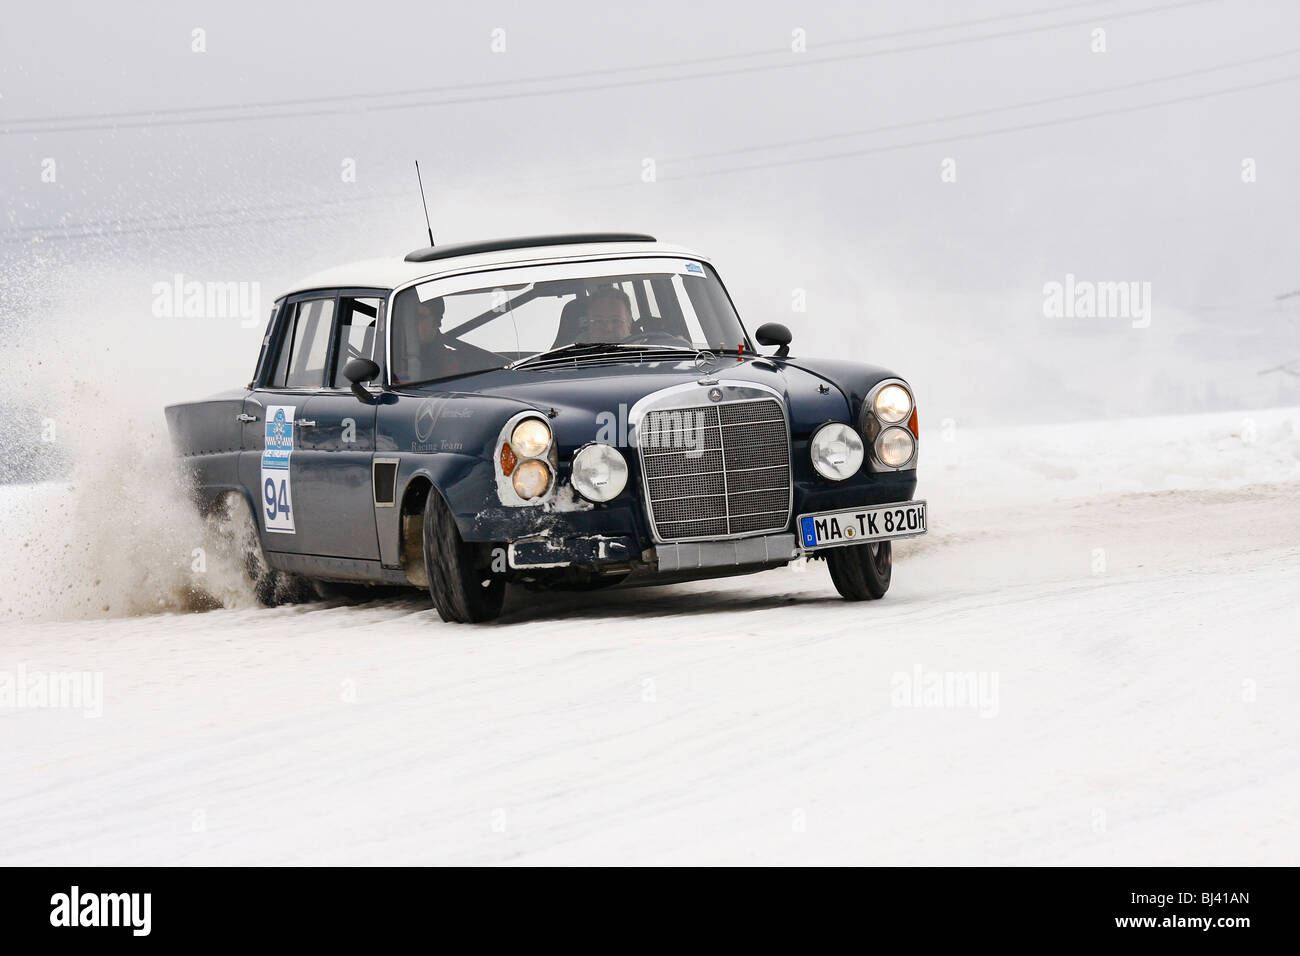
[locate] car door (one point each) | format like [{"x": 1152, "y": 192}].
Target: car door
[
  {"x": 336, "y": 441},
  {"x": 306, "y": 445}
]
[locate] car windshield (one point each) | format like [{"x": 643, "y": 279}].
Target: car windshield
[{"x": 454, "y": 326}]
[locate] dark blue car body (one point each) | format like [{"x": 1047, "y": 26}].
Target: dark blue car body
[{"x": 363, "y": 468}]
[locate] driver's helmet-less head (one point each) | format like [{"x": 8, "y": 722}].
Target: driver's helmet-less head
[
  {"x": 608, "y": 316},
  {"x": 427, "y": 318}
]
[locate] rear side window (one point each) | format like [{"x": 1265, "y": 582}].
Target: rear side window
[
  {"x": 305, "y": 345},
  {"x": 356, "y": 334},
  {"x": 263, "y": 355}
]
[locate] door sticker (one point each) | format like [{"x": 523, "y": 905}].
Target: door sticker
[{"x": 277, "y": 497}]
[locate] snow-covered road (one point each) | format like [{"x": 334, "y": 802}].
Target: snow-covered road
[{"x": 1126, "y": 633}]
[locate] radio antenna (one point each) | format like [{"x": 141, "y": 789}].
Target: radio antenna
[{"x": 424, "y": 202}]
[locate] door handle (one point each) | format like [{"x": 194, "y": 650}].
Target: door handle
[
  {"x": 245, "y": 417},
  {"x": 305, "y": 423}
]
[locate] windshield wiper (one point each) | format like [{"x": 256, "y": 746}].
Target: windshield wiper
[
  {"x": 573, "y": 348},
  {"x": 596, "y": 348}
]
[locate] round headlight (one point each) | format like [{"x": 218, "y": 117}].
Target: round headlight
[
  {"x": 895, "y": 446},
  {"x": 599, "y": 472},
  {"x": 893, "y": 404},
  {"x": 531, "y": 479},
  {"x": 531, "y": 438},
  {"x": 836, "y": 451}
]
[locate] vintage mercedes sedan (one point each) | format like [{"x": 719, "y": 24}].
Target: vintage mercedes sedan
[{"x": 569, "y": 411}]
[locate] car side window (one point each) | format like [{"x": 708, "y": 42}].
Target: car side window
[
  {"x": 356, "y": 334},
  {"x": 263, "y": 356},
  {"x": 305, "y": 345}
]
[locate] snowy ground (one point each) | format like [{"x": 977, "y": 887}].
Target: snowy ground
[{"x": 1124, "y": 597}]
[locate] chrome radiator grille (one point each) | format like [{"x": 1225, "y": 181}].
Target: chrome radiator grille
[{"x": 717, "y": 470}]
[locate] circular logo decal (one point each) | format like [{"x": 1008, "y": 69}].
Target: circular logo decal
[{"x": 426, "y": 417}]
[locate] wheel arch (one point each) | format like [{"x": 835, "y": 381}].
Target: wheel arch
[{"x": 211, "y": 497}]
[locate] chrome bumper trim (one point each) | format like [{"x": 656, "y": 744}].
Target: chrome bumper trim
[{"x": 764, "y": 549}]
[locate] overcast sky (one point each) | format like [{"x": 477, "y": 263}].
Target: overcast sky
[{"x": 802, "y": 146}]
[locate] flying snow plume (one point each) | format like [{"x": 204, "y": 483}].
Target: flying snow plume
[
  {"x": 97, "y": 512},
  {"x": 120, "y": 536}
]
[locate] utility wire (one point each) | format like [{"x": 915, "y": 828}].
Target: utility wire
[
  {"x": 671, "y": 160},
  {"x": 558, "y": 77},
  {"x": 987, "y": 111},
  {"x": 982, "y": 134},
  {"x": 190, "y": 116},
  {"x": 892, "y": 147}
]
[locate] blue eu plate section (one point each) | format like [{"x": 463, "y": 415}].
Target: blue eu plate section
[{"x": 809, "y": 534}]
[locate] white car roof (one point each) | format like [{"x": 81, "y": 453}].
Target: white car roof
[{"x": 392, "y": 273}]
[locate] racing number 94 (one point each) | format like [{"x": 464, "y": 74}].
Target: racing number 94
[{"x": 277, "y": 499}]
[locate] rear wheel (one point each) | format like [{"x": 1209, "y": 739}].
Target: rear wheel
[
  {"x": 861, "y": 572},
  {"x": 461, "y": 581},
  {"x": 235, "y": 524}
]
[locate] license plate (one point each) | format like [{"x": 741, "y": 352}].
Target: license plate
[{"x": 905, "y": 519}]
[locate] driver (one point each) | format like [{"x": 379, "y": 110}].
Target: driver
[
  {"x": 434, "y": 357},
  {"x": 608, "y": 318}
]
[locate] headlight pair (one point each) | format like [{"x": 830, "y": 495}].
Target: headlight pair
[
  {"x": 891, "y": 431},
  {"x": 521, "y": 458}
]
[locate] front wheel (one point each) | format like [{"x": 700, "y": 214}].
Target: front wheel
[
  {"x": 861, "y": 572},
  {"x": 461, "y": 581}
]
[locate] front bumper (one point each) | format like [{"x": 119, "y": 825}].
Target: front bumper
[
  {"x": 616, "y": 536},
  {"x": 760, "y": 550}
]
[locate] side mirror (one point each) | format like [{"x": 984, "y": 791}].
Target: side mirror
[
  {"x": 360, "y": 370},
  {"x": 774, "y": 333}
]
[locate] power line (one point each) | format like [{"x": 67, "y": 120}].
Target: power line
[
  {"x": 207, "y": 214},
  {"x": 893, "y": 147},
  {"x": 987, "y": 111},
  {"x": 982, "y": 134},
  {"x": 180, "y": 227},
  {"x": 369, "y": 198},
  {"x": 558, "y": 77},
  {"x": 146, "y": 119},
  {"x": 1290, "y": 368}
]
